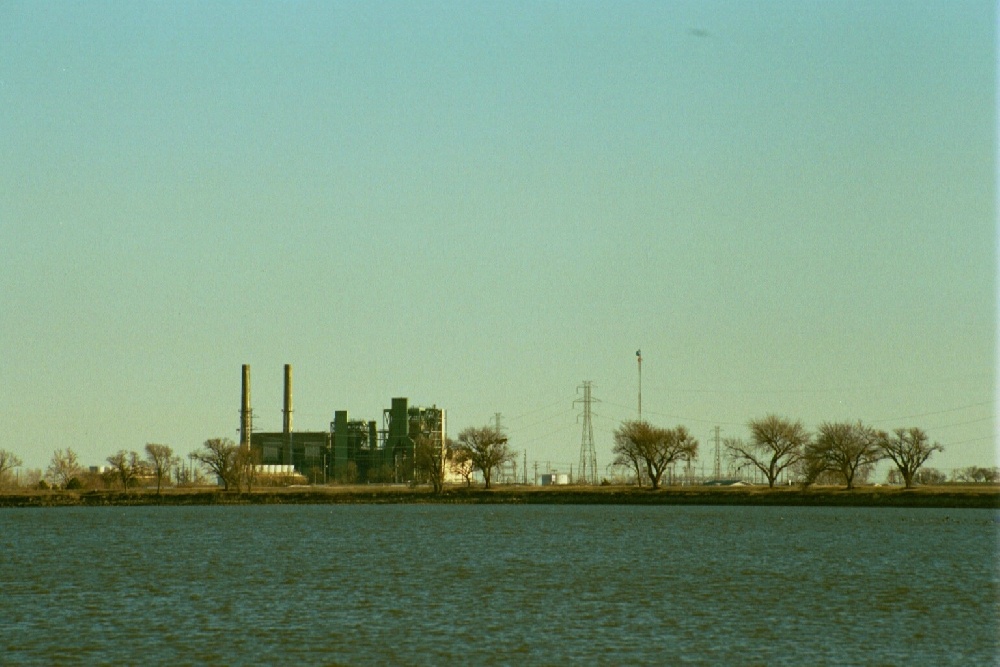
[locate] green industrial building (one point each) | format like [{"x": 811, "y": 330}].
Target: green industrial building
[{"x": 353, "y": 450}]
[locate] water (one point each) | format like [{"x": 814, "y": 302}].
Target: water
[{"x": 418, "y": 585}]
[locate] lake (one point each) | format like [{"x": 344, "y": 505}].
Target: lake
[{"x": 499, "y": 584}]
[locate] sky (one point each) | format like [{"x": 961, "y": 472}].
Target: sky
[{"x": 789, "y": 207}]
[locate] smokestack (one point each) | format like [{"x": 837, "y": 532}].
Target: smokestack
[
  {"x": 245, "y": 408},
  {"x": 288, "y": 399}
]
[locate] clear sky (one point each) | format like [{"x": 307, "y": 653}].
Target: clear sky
[{"x": 790, "y": 207}]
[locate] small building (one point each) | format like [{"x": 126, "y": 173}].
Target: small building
[{"x": 553, "y": 479}]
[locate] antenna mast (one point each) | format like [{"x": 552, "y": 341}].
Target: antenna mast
[{"x": 638, "y": 356}]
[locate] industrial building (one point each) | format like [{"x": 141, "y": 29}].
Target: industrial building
[{"x": 352, "y": 450}]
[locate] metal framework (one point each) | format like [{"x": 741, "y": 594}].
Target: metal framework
[{"x": 587, "y": 472}]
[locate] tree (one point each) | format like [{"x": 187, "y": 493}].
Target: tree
[
  {"x": 350, "y": 475},
  {"x": 976, "y": 475},
  {"x": 188, "y": 475},
  {"x": 909, "y": 449},
  {"x": 7, "y": 463},
  {"x": 380, "y": 474},
  {"x": 31, "y": 479},
  {"x": 219, "y": 456},
  {"x": 430, "y": 458},
  {"x": 929, "y": 476},
  {"x": 245, "y": 465},
  {"x": 461, "y": 463},
  {"x": 627, "y": 456},
  {"x": 844, "y": 448},
  {"x": 125, "y": 466},
  {"x": 775, "y": 444},
  {"x": 655, "y": 449},
  {"x": 486, "y": 448},
  {"x": 63, "y": 467},
  {"x": 161, "y": 461}
]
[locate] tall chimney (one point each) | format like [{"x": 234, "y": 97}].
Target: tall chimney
[
  {"x": 245, "y": 412},
  {"x": 288, "y": 399}
]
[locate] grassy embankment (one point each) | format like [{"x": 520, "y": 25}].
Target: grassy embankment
[{"x": 949, "y": 496}]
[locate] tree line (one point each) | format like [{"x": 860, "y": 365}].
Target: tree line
[
  {"x": 838, "y": 451},
  {"x": 482, "y": 450},
  {"x": 125, "y": 469},
  {"x": 844, "y": 450}
]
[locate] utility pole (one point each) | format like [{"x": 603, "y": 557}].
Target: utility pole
[
  {"x": 588, "y": 455},
  {"x": 717, "y": 473},
  {"x": 638, "y": 356}
]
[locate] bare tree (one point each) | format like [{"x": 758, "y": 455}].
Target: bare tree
[
  {"x": 655, "y": 449},
  {"x": 627, "y": 456},
  {"x": 909, "y": 449},
  {"x": 219, "y": 456},
  {"x": 245, "y": 468},
  {"x": 63, "y": 467},
  {"x": 461, "y": 463},
  {"x": 486, "y": 448},
  {"x": 7, "y": 463},
  {"x": 975, "y": 475},
  {"x": 776, "y": 443},
  {"x": 188, "y": 475},
  {"x": 125, "y": 466},
  {"x": 844, "y": 448},
  {"x": 161, "y": 461},
  {"x": 929, "y": 476},
  {"x": 31, "y": 479},
  {"x": 430, "y": 458}
]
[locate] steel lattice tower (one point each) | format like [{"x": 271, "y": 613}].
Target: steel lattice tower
[{"x": 587, "y": 473}]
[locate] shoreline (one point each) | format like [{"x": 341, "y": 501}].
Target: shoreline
[{"x": 950, "y": 496}]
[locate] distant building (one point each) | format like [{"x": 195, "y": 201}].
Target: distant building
[{"x": 352, "y": 450}]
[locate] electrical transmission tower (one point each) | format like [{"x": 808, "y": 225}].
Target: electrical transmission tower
[
  {"x": 587, "y": 472},
  {"x": 717, "y": 472}
]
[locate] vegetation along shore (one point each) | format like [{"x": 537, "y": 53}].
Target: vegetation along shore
[{"x": 944, "y": 496}]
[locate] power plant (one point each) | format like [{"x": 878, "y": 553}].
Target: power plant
[{"x": 353, "y": 450}]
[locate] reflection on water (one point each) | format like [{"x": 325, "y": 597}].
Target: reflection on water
[{"x": 436, "y": 584}]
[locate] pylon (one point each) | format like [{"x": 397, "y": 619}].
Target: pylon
[{"x": 587, "y": 472}]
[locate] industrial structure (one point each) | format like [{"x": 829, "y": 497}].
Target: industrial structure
[
  {"x": 352, "y": 450},
  {"x": 587, "y": 472}
]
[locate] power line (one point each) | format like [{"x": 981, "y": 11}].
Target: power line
[
  {"x": 827, "y": 390},
  {"x": 544, "y": 407},
  {"x": 522, "y": 441},
  {"x": 541, "y": 421},
  {"x": 938, "y": 412},
  {"x": 973, "y": 421},
  {"x": 993, "y": 437},
  {"x": 693, "y": 419}
]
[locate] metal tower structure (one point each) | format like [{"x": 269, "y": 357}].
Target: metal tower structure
[
  {"x": 638, "y": 356},
  {"x": 717, "y": 471},
  {"x": 587, "y": 472}
]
